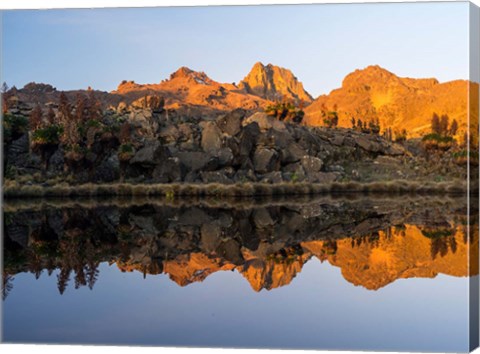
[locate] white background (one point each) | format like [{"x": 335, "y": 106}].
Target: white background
[{"x": 45, "y": 4}]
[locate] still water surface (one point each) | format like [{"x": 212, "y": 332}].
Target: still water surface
[{"x": 330, "y": 273}]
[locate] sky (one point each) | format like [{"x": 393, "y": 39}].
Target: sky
[{"x": 321, "y": 44}]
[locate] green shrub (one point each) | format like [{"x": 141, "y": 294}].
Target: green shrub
[
  {"x": 285, "y": 111},
  {"x": 126, "y": 152},
  {"x": 437, "y": 141},
  {"x": 48, "y": 135},
  {"x": 462, "y": 157},
  {"x": 91, "y": 123},
  {"x": 14, "y": 126}
]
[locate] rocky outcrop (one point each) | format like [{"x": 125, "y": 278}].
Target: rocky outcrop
[
  {"x": 233, "y": 147},
  {"x": 398, "y": 103},
  {"x": 274, "y": 84},
  {"x": 192, "y": 93},
  {"x": 193, "y": 129}
]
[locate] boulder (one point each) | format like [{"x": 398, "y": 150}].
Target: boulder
[
  {"x": 248, "y": 139},
  {"x": 265, "y": 160},
  {"x": 170, "y": 134},
  {"x": 323, "y": 177},
  {"x": 292, "y": 153},
  {"x": 19, "y": 156},
  {"x": 108, "y": 170},
  {"x": 144, "y": 123},
  {"x": 245, "y": 176},
  {"x": 215, "y": 177},
  {"x": 198, "y": 161},
  {"x": 367, "y": 144},
  {"x": 151, "y": 154},
  {"x": 395, "y": 150},
  {"x": 247, "y": 164},
  {"x": 336, "y": 168},
  {"x": 294, "y": 172},
  {"x": 231, "y": 123},
  {"x": 211, "y": 137},
  {"x": 55, "y": 164},
  {"x": 276, "y": 139},
  {"x": 308, "y": 141},
  {"x": 225, "y": 157},
  {"x": 272, "y": 177},
  {"x": 337, "y": 139},
  {"x": 170, "y": 170},
  {"x": 311, "y": 164},
  {"x": 265, "y": 122},
  {"x": 18, "y": 147},
  {"x": 192, "y": 177},
  {"x": 122, "y": 108}
]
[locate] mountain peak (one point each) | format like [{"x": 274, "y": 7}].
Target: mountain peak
[
  {"x": 273, "y": 83},
  {"x": 187, "y": 73},
  {"x": 370, "y": 74},
  {"x": 374, "y": 93},
  {"x": 182, "y": 72},
  {"x": 258, "y": 65}
]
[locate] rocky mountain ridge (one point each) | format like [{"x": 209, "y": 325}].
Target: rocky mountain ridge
[
  {"x": 369, "y": 94},
  {"x": 398, "y": 103}
]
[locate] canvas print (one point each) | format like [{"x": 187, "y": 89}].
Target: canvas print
[{"x": 281, "y": 176}]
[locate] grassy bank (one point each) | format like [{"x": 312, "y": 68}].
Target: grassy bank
[
  {"x": 36, "y": 204},
  {"x": 12, "y": 189}
]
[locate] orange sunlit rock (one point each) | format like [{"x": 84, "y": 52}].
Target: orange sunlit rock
[{"x": 398, "y": 103}]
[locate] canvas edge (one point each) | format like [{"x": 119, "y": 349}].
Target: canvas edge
[{"x": 473, "y": 107}]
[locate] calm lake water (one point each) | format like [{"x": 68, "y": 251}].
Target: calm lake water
[{"x": 357, "y": 273}]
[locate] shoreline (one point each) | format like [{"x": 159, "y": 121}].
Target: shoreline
[{"x": 238, "y": 190}]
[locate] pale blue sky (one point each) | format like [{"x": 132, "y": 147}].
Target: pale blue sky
[{"x": 73, "y": 49}]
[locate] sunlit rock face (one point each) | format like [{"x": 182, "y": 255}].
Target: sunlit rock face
[
  {"x": 192, "y": 92},
  {"x": 367, "y": 94},
  {"x": 399, "y": 103},
  {"x": 274, "y": 83},
  {"x": 374, "y": 242}
]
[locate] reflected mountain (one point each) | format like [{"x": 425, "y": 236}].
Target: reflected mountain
[{"x": 374, "y": 241}]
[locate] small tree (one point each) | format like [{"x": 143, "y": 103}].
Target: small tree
[
  {"x": 334, "y": 119},
  {"x": 36, "y": 117},
  {"x": 94, "y": 106},
  {"x": 64, "y": 107},
  {"x": 353, "y": 122},
  {"x": 374, "y": 126},
  {"x": 388, "y": 134},
  {"x": 359, "y": 124},
  {"x": 401, "y": 136},
  {"x": 124, "y": 134},
  {"x": 331, "y": 120},
  {"x": 435, "y": 124},
  {"x": 80, "y": 106},
  {"x": 454, "y": 127},
  {"x": 5, "y": 96},
  {"x": 50, "y": 116},
  {"x": 444, "y": 125}
]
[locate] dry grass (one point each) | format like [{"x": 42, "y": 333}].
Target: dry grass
[
  {"x": 13, "y": 189},
  {"x": 36, "y": 204}
]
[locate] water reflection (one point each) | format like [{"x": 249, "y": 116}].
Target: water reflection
[{"x": 374, "y": 241}]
